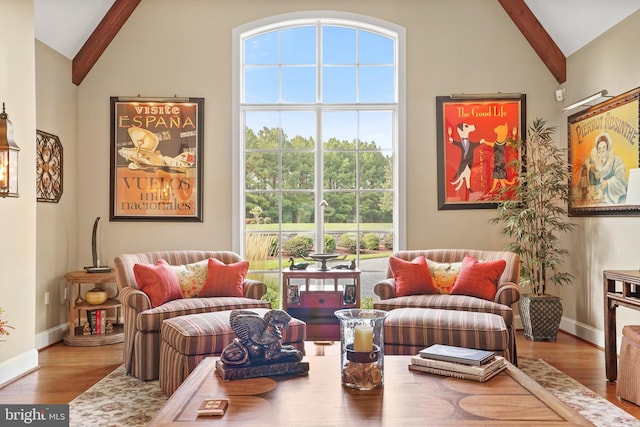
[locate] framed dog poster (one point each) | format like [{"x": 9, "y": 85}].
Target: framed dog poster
[
  {"x": 156, "y": 159},
  {"x": 474, "y": 148},
  {"x": 603, "y": 148}
]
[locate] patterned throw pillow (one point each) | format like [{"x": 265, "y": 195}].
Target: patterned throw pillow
[
  {"x": 225, "y": 280},
  {"x": 157, "y": 281},
  {"x": 412, "y": 277},
  {"x": 479, "y": 278},
  {"x": 444, "y": 274},
  {"x": 192, "y": 277}
]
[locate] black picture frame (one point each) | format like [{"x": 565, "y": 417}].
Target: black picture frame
[
  {"x": 349, "y": 296},
  {"x": 293, "y": 294},
  {"x": 467, "y": 174},
  {"x": 157, "y": 147}
]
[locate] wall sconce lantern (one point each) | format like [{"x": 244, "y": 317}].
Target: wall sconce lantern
[{"x": 8, "y": 158}]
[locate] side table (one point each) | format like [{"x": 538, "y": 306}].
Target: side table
[
  {"x": 314, "y": 295},
  {"x": 628, "y": 295},
  {"x": 78, "y": 305}
]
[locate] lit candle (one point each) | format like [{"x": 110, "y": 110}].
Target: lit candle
[{"x": 363, "y": 340}]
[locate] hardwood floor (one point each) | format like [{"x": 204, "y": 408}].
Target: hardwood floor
[
  {"x": 65, "y": 372},
  {"x": 578, "y": 359}
]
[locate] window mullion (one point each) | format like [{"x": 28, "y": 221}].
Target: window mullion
[{"x": 319, "y": 150}]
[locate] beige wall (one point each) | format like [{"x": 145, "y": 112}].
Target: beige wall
[
  {"x": 18, "y": 215},
  {"x": 610, "y": 63},
  {"x": 184, "y": 48},
  {"x": 479, "y": 50},
  {"x": 57, "y": 231},
  {"x": 447, "y": 51}
]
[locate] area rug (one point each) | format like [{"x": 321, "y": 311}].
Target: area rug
[
  {"x": 120, "y": 400},
  {"x": 581, "y": 399},
  {"x": 117, "y": 400}
]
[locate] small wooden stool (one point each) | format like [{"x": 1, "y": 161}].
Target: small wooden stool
[{"x": 628, "y": 387}]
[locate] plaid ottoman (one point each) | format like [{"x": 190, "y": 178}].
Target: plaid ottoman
[
  {"x": 186, "y": 340},
  {"x": 409, "y": 330}
]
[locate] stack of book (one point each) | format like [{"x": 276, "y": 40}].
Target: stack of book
[
  {"x": 97, "y": 320},
  {"x": 458, "y": 362}
]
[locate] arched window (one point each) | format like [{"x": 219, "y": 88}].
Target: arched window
[{"x": 318, "y": 137}]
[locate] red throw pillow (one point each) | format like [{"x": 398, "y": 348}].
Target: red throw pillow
[
  {"x": 158, "y": 281},
  {"x": 225, "y": 280},
  {"x": 478, "y": 279},
  {"x": 412, "y": 277}
]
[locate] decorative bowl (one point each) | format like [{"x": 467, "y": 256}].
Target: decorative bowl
[
  {"x": 323, "y": 258},
  {"x": 96, "y": 296}
]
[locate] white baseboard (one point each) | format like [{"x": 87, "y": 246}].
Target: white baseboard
[
  {"x": 580, "y": 330},
  {"x": 51, "y": 336},
  {"x": 18, "y": 366},
  {"x": 54, "y": 335},
  {"x": 14, "y": 368}
]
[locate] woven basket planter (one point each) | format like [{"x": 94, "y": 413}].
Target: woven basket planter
[{"x": 540, "y": 316}]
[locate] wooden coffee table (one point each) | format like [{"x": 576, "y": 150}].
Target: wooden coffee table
[{"x": 408, "y": 398}]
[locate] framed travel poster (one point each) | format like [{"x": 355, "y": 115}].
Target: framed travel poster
[
  {"x": 603, "y": 147},
  {"x": 156, "y": 159},
  {"x": 474, "y": 148}
]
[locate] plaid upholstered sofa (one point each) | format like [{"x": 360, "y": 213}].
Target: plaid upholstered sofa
[
  {"x": 508, "y": 290},
  {"x": 142, "y": 322}
]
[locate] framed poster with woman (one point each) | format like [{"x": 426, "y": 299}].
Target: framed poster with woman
[
  {"x": 474, "y": 148},
  {"x": 603, "y": 148}
]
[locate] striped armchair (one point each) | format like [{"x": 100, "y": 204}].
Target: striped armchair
[
  {"x": 142, "y": 322},
  {"x": 508, "y": 289}
]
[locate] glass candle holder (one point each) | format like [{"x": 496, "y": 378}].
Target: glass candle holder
[{"x": 362, "y": 348}]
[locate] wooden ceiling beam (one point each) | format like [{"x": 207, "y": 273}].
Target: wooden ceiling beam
[
  {"x": 537, "y": 37},
  {"x": 98, "y": 41},
  {"x": 120, "y": 11}
]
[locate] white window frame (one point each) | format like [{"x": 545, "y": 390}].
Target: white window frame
[{"x": 355, "y": 21}]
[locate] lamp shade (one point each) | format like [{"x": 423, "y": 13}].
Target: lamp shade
[
  {"x": 8, "y": 158},
  {"x": 633, "y": 187}
]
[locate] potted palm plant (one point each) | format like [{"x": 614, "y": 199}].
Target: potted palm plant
[{"x": 533, "y": 212}]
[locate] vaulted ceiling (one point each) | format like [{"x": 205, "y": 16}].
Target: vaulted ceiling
[{"x": 82, "y": 29}]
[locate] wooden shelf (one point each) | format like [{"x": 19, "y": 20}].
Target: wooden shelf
[
  {"x": 78, "y": 308},
  {"x": 110, "y": 303},
  {"x": 80, "y": 340}
]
